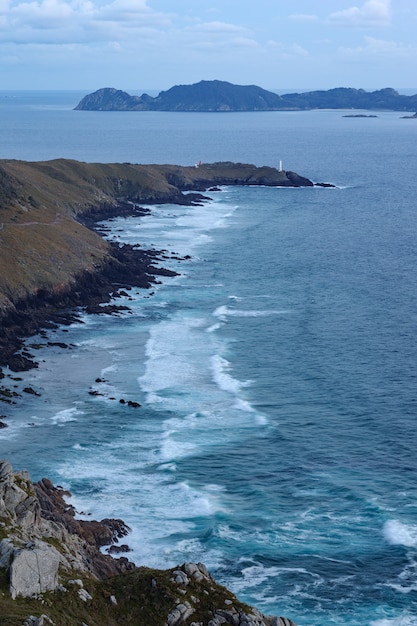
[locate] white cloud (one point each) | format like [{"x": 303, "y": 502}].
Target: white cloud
[
  {"x": 217, "y": 28},
  {"x": 380, "y": 47},
  {"x": 287, "y": 51},
  {"x": 75, "y": 21},
  {"x": 216, "y": 35},
  {"x": 45, "y": 14},
  {"x": 371, "y": 13},
  {"x": 303, "y": 17}
]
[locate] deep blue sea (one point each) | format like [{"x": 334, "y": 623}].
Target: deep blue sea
[{"x": 277, "y": 373}]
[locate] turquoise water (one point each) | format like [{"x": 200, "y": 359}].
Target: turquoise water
[{"x": 277, "y": 374}]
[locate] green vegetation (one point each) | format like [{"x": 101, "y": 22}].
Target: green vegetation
[{"x": 144, "y": 597}]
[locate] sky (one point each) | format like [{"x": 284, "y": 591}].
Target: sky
[{"x": 151, "y": 45}]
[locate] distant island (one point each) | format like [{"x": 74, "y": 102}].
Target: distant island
[{"x": 222, "y": 96}]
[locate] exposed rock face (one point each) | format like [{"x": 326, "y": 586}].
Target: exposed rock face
[
  {"x": 60, "y": 554},
  {"x": 231, "y": 611},
  {"x": 36, "y": 518},
  {"x": 33, "y": 569},
  {"x": 18, "y": 501}
]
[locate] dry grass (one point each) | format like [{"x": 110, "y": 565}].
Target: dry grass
[{"x": 42, "y": 246}]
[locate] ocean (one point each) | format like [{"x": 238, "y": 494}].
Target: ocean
[{"x": 277, "y": 374}]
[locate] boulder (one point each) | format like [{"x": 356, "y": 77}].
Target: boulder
[
  {"x": 43, "y": 620},
  {"x": 34, "y": 569}
]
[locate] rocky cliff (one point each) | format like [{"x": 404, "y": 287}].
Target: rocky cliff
[
  {"x": 52, "y": 571},
  {"x": 222, "y": 96}
]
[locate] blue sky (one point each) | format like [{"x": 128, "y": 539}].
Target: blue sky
[{"x": 139, "y": 45}]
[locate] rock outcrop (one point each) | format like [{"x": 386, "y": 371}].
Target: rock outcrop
[
  {"x": 56, "y": 569},
  {"x": 42, "y": 536}
]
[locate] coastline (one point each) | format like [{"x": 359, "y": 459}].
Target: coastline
[
  {"x": 124, "y": 267},
  {"x": 53, "y": 256},
  {"x": 56, "y": 569}
]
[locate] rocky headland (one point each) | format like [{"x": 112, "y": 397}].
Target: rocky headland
[
  {"x": 53, "y": 571},
  {"x": 52, "y": 257}
]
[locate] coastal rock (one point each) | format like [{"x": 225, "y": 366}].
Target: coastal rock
[
  {"x": 61, "y": 555},
  {"x": 36, "y": 517},
  {"x": 17, "y": 498},
  {"x": 196, "y": 576},
  {"x": 43, "y": 620},
  {"x": 34, "y": 569}
]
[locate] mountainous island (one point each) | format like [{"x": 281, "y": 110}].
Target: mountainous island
[
  {"x": 53, "y": 259},
  {"x": 222, "y": 96}
]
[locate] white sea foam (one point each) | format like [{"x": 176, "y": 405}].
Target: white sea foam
[
  {"x": 213, "y": 328},
  {"x": 405, "y": 589},
  {"x": 253, "y": 576},
  {"x": 66, "y": 415},
  {"x": 402, "y": 620},
  {"x": 224, "y": 311},
  {"x": 159, "y": 510},
  {"x": 220, "y": 368},
  {"x": 225, "y": 532},
  {"x": 108, "y": 369},
  {"x": 178, "y": 229},
  {"x": 244, "y": 405},
  {"x": 172, "y": 449},
  {"x": 398, "y": 533}
]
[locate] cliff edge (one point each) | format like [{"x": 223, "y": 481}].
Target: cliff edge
[{"x": 53, "y": 572}]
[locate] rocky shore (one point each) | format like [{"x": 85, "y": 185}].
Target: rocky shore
[
  {"x": 55, "y": 261},
  {"x": 52, "y": 571}
]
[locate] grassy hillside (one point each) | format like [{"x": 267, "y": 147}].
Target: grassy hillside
[{"x": 43, "y": 246}]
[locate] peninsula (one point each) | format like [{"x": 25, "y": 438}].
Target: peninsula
[
  {"x": 51, "y": 258},
  {"x": 222, "y": 96}
]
